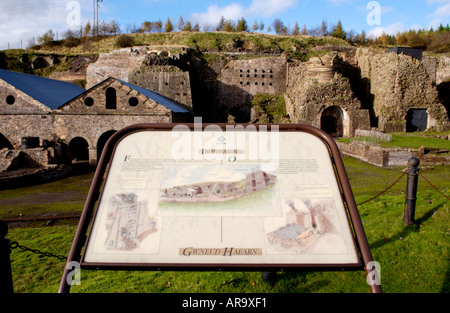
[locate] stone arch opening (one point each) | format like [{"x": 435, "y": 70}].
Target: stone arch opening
[
  {"x": 111, "y": 98},
  {"x": 78, "y": 150},
  {"x": 332, "y": 121},
  {"x": 416, "y": 120},
  {"x": 5, "y": 143},
  {"x": 102, "y": 142}
]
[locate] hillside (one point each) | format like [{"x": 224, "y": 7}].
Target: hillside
[
  {"x": 203, "y": 41},
  {"x": 64, "y": 55}
]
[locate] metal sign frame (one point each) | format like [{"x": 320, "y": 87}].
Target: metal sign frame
[{"x": 81, "y": 238}]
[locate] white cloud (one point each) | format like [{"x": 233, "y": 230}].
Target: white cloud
[
  {"x": 339, "y": 2},
  {"x": 440, "y": 15},
  {"x": 391, "y": 30},
  {"x": 264, "y": 8},
  {"x": 234, "y": 11},
  {"x": 214, "y": 13},
  {"x": 23, "y": 20}
]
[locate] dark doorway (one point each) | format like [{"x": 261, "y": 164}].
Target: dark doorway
[
  {"x": 5, "y": 143},
  {"x": 332, "y": 121},
  {"x": 111, "y": 99},
  {"x": 78, "y": 150},
  {"x": 416, "y": 120},
  {"x": 102, "y": 142}
]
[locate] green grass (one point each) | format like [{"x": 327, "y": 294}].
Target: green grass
[
  {"x": 415, "y": 140},
  {"x": 63, "y": 196},
  {"x": 413, "y": 259}
]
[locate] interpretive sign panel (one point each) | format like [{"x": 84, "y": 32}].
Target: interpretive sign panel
[
  {"x": 220, "y": 197},
  {"x": 239, "y": 195}
]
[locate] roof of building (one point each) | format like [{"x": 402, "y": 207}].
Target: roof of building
[
  {"x": 413, "y": 52},
  {"x": 166, "y": 102},
  {"x": 52, "y": 93}
]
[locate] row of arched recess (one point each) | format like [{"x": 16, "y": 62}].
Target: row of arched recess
[
  {"x": 334, "y": 121},
  {"x": 79, "y": 147}
]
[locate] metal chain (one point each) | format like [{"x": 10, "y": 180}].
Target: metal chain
[
  {"x": 389, "y": 187},
  {"x": 420, "y": 173},
  {"x": 15, "y": 244}
]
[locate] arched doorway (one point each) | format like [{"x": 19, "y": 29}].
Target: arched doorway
[
  {"x": 5, "y": 143},
  {"x": 102, "y": 142},
  {"x": 331, "y": 121},
  {"x": 78, "y": 150}
]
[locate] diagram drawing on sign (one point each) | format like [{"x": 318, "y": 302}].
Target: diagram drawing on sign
[
  {"x": 310, "y": 226},
  {"x": 219, "y": 190},
  {"x": 128, "y": 222}
]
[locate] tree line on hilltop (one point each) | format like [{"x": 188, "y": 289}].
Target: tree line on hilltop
[{"x": 434, "y": 40}]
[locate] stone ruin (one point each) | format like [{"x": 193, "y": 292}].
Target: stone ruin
[{"x": 340, "y": 92}]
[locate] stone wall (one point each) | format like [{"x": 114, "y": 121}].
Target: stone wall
[
  {"x": 91, "y": 127},
  {"x": 224, "y": 86},
  {"x": 173, "y": 85},
  {"x": 438, "y": 68},
  {"x": 118, "y": 64},
  {"x": 315, "y": 86},
  {"x": 16, "y": 127},
  {"x": 396, "y": 84},
  {"x": 255, "y": 76},
  {"x": 13, "y": 101},
  {"x": 385, "y": 157}
]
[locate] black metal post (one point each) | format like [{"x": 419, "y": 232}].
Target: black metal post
[
  {"x": 269, "y": 277},
  {"x": 411, "y": 191},
  {"x": 6, "y": 282}
]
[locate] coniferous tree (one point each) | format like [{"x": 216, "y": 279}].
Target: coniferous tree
[
  {"x": 296, "y": 30},
  {"x": 221, "y": 25},
  {"x": 187, "y": 27},
  {"x": 242, "y": 25},
  {"x": 168, "y": 27},
  {"x": 338, "y": 31}
]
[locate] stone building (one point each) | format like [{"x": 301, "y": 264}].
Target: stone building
[
  {"x": 338, "y": 92},
  {"x": 62, "y": 122},
  {"x": 400, "y": 92},
  {"x": 318, "y": 95}
]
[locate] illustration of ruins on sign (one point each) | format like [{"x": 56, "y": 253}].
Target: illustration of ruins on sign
[
  {"x": 128, "y": 222},
  {"x": 216, "y": 190},
  {"x": 309, "y": 227},
  {"x": 219, "y": 191}
]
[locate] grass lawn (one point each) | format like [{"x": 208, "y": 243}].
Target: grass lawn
[
  {"x": 414, "y": 140},
  {"x": 413, "y": 259}
]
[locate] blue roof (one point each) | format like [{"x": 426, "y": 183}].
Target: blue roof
[
  {"x": 50, "y": 92},
  {"x": 166, "y": 102}
]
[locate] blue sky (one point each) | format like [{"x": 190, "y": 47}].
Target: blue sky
[{"x": 21, "y": 20}]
